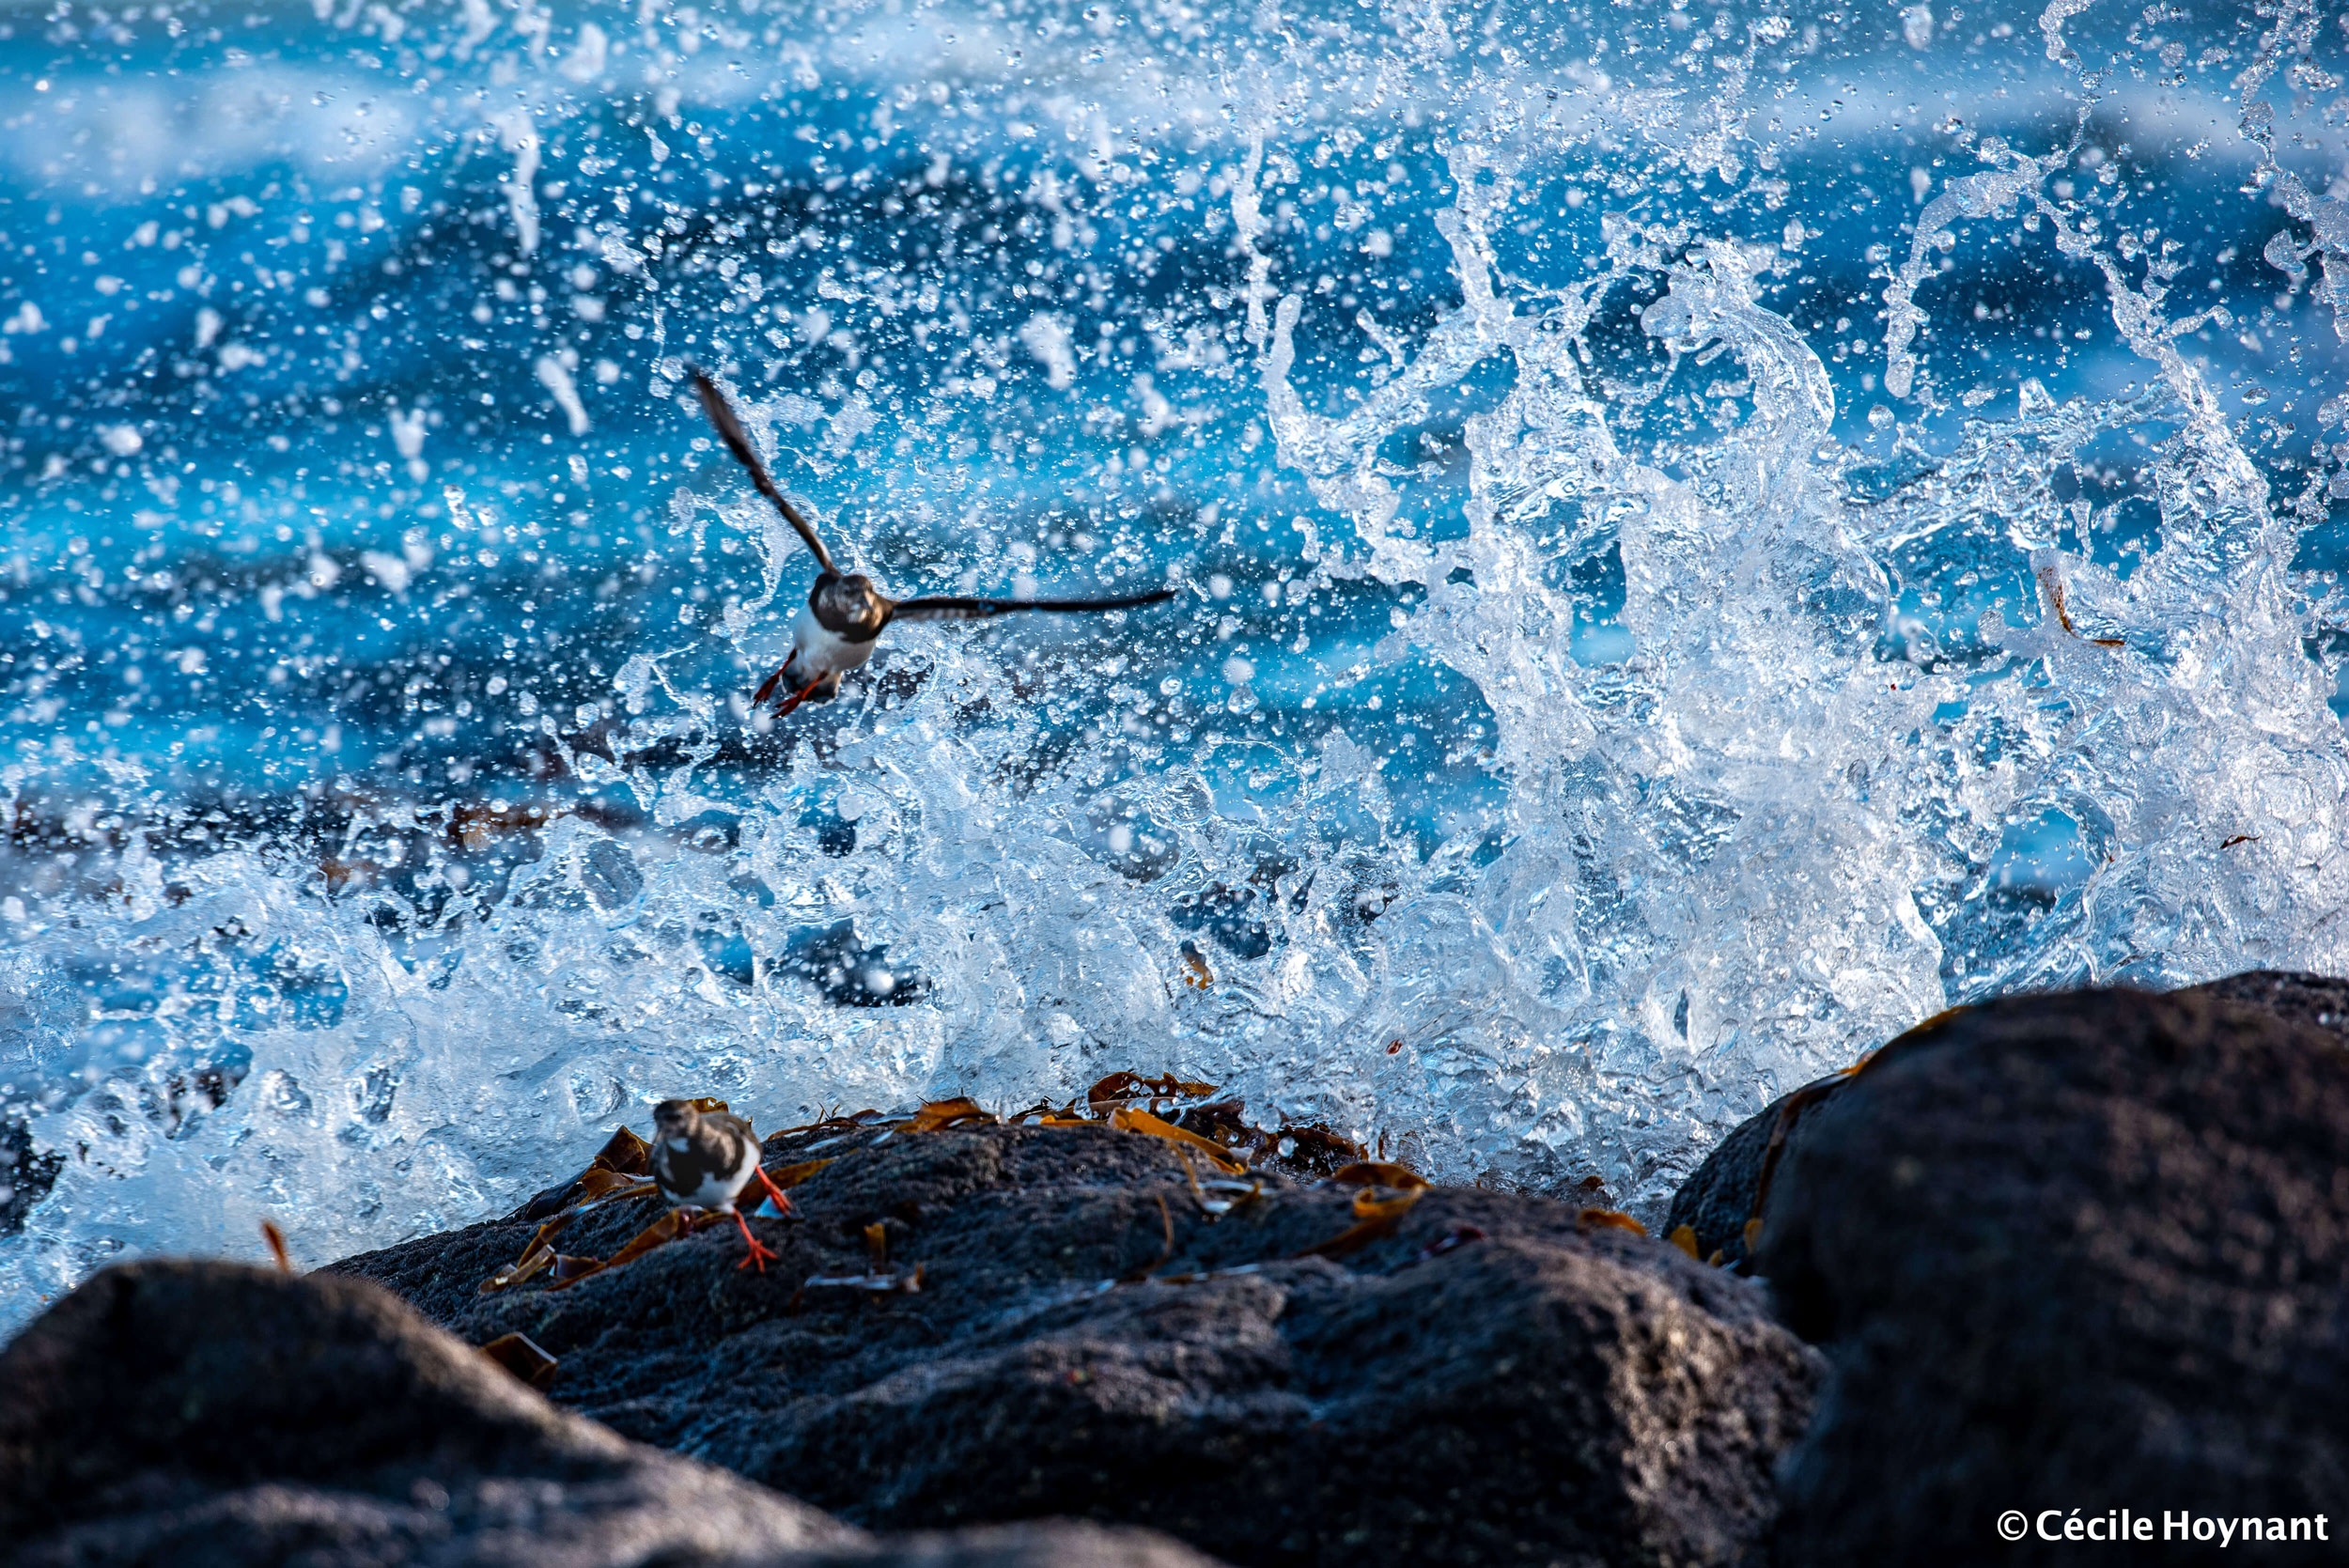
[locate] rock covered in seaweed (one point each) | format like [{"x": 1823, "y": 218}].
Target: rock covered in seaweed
[
  {"x": 2072, "y": 1251},
  {"x": 1318, "y": 1375}
]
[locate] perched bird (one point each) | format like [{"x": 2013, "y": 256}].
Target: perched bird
[
  {"x": 846, "y": 613},
  {"x": 704, "y": 1159}
]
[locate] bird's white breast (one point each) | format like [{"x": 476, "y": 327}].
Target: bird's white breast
[
  {"x": 717, "y": 1192},
  {"x": 817, "y": 650}
]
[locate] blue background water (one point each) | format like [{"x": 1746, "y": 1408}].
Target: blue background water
[{"x": 357, "y": 523}]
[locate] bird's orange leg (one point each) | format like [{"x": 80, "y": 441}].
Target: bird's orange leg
[
  {"x": 798, "y": 697},
  {"x": 759, "y": 1251},
  {"x": 774, "y": 1193}
]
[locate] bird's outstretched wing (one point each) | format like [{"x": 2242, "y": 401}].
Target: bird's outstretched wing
[
  {"x": 944, "y": 607},
  {"x": 738, "y": 442}
]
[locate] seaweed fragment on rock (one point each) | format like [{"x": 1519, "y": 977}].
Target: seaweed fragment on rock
[
  {"x": 277, "y": 1239},
  {"x": 623, "y": 1157},
  {"x": 1375, "y": 1217},
  {"x": 668, "y": 1228},
  {"x": 1452, "y": 1240},
  {"x": 1366, "y": 1173},
  {"x": 524, "y": 1357},
  {"x": 541, "y": 1254},
  {"x": 1123, "y": 1088},
  {"x": 879, "y": 1278},
  {"x": 938, "y": 1115},
  {"x": 1218, "y": 1197},
  {"x": 1142, "y": 1122},
  {"x": 1598, "y": 1218}
]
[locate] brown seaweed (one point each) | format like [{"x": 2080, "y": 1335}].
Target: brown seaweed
[
  {"x": 625, "y": 1153},
  {"x": 1316, "y": 1150},
  {"x": 668, "y": 1228},
  {"x": 1219, "y": 1197},
  {"x": 523, "y": 1356},
  {"x": 1142, "y": 1122},
  {"x": 938, "y": 1115},
  {"x": 1121, "y": 1089},
  {"x": 541, "y": 1254},
  {"x": 2051, "y": 584},
  {"x": 1367, "y": 1173},
  {"x": 1598, "y": 1218},
  {"x": 1374, "y": 1218},
  {"x": 277, "y": 1239}
]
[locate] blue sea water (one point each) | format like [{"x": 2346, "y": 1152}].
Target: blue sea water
[{"x": 1705, "y": 536}]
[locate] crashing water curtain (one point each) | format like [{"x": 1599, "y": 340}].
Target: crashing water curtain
[{"x": 1704, "y": 535}]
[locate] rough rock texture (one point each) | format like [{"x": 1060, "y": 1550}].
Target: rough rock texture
[
  {"x": 1494, "y": 1382},
  {"x": 2307, "y": 998},
  {"x": 199, "y": 1413},
  {"x": 1055, "y": 1544},
  {"x": 196, "y": 1414},
  {"x": 1727, "y": 1189},
  {"x": 2081, "y": 1251}
]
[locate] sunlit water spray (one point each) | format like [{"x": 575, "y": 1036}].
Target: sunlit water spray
[{"x": 1668, "y": 600}]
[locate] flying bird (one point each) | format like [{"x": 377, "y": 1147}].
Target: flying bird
[
  {"x": 706, "y": 1159},
  {"x": 845, "y": 612}
]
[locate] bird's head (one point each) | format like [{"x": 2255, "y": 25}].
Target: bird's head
[
  {"x": 674, "y": 1119},
  {"x": 848, "y": 605}
]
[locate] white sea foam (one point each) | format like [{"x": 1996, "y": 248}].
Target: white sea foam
[{"x": 1763, "y": 820}]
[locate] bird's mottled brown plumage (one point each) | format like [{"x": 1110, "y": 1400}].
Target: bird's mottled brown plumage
[{"x": 704, "y": 1159}]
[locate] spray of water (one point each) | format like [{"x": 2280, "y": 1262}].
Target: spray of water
[{"x": 1608, "y": 726}]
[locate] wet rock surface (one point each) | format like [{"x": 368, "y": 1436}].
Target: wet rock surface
[
  {"x": 1492, "y": 1378},
  {"x": 194, "y": 1414},
  {"x": 2085, "y": 1251}
]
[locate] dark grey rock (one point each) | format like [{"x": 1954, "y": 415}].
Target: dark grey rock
[
  {"x": 194, "y": 1413},
  {"x": 1494, "y": 1382},
  {"x": 189, "y": 1415},
  {"x": 2307, "y": 998},
  {"x": 1057, "y": 1544},
  {"x": 1726, "y": 1193},
  {"x": 1722, "y": 1201},
  {"x": 1729, "y": 1188},
  {"x": 2085, "y": 1251}
]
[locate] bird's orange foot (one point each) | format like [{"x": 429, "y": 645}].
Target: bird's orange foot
[
  {"x": 798, "y": 697},
  {"x": 759, "y": 1251}
]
